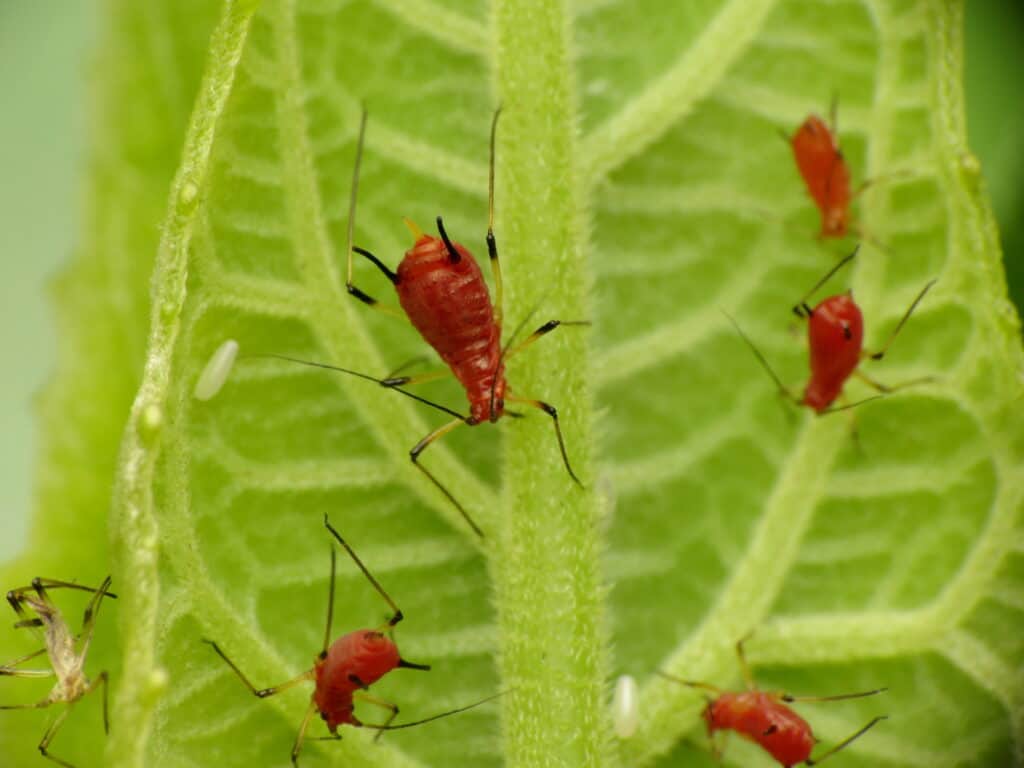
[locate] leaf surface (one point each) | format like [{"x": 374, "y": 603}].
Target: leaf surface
[{"x": 640, "y": 184}]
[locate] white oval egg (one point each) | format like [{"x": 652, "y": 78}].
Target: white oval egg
[{"x": 216, "y": 371}]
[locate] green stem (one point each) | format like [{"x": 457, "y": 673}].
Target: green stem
[
  {"x": 134, "y": 530},
  {"x": 550, "y": 594}
]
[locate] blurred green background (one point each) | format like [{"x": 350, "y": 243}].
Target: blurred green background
[{"x": 45, "y": 49}]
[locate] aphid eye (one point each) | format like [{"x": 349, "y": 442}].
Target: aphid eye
[{"x": 847, "y": 333}]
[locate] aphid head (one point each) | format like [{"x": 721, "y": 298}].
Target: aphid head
[{"x": 818, "y": 397}]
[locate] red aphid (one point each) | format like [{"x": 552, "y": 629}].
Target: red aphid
[
  {"x": 345, "y": 669},
  {"x": 824, "y": 170},
  {"x": 448, "y": 302},
  {"x": 835, "y": 336},
  {"x": 764, "y": 718}
]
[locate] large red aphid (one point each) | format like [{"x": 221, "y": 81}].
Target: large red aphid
[
  {"x": 824, "y": 170},
  {"x": 835, "y": 336},
  {"x": 764, "y": 718},
  {"x": 443, "y": 294},
  {"x": 345, "y": 669}
]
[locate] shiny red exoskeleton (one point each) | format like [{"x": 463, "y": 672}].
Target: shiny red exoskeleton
[
  {"x": 835, "y": 336},
  {"x": 354, "y": 662},
  {"x": 345, "y": 669},
  {"x": 824, "y": 170},
  {"x": 764, "y": 718},
  {"x": 448, "y": 302}
]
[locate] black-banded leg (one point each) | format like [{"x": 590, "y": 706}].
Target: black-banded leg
[
  {"x": 847, "y": 741},
  {"x": 44, "y": 744},
  {"x": 888, "y": 389},
  {"x": 432, "y": 718},
  {"x": 350, "y": 285},
  {"x": 899, "y": 326},
  {"x": 102, "y": 679},
  {"x": 551, "y": 411},
  {"x": 395, "y": 611},
  {"x": 392, "y": 380},
  {"x": 748, "y": 677},
  {"x": 260, "y": 693},
  {"x": 300, "y": 737},
  {"x": 542, "y": 331},
  {"x": 492, "y": 243},
  {"x": 421, "y": 446},
  {"x": 10, "y": 670},
  {"x": 378, "y": 702},
  {"x": 92, "y": 610}
]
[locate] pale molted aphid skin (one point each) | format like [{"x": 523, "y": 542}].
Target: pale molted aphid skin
[
  {"x": 217, "y": 370},
  {"x": 67, "y": 651},
  {"x": 626, "y": 707}
]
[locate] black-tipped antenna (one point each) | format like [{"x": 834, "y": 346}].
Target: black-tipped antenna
[
  {"x": 397, "y": 617},
  {"x": 365, "y": 376},
  {"x": 354, "y": 193},
  {"x": 434, "y": 717},
  {"x": 490, "y": 173},
  {"x": 800, "y": 309},
  {"x": 838, "y": 697},
  {"x": 453, "y": 255},
  {"x": 783, "y": 389}
]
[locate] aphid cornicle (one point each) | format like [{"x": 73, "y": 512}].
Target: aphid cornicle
[
  {"x": 66, "y": 650},
  {"x": 835, "y": 336},
  {"x": 345, "y": 669},
  {"x": 442, "y": 292},
  {"x": 764, "y": 718}
]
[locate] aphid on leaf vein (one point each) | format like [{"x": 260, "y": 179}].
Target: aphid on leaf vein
[
  {"x": 67, "y": 651},
  {"x": 835, "y": 334},
  {"x": 345, "y": 669},
  {"x": 443, "y": 294},
  {"x": 764, "y": 718}
]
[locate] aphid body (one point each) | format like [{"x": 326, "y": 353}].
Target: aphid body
[
  {"x": 66, "y": 650},
  {"x": 835, "y": 336},
  {"x": 824, "y": 170},
  {"x": 762, "y": 718},
  {"x": 447, "y": 300},
  {"x": 353, "y": 662}
]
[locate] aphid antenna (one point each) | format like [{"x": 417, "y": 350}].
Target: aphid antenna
[
  {"x": 847, "y": 741},
  {"x": 690, "y": 683},
  {"x": 783, "y": 389},
  {"x": 383, "y": 382},
  {"x": 833, "y": 113},
  {"x": 837, "y": 697},
  {"x": 438, "y": 716},
  {"x": 492, "y": 244},
  {"x": 801, "y": 308},
  {"x": 396, "y": 613},
  {"x": 353, "y": 196},
  {"x": 848, "y": 406},
  {"x": 903, "y": 321}
]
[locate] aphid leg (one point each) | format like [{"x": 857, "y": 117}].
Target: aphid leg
[
  {"x": 408, "y": 381},
  {"x": 10, "y": 671},
  {"x": 899, "y": 326},
  {"x": 260, "y": 693},
  {"x": 396, "y": 612},
  {"x": 370, "y": 699},
  {"x": 551, "y": 411},
  {"x": 492, "y": 244},
  {"x": 748, "y": 677},
  {"x": 102, "y": 679},
  {"x": 846, "y": 742},
  {"x": 92, "y": 610},
  {"x": 300, "y": 737},
  {"x": 801, "y": 308},
  {"x": 544, "y": 330},
  {"x": 353, "y": 196},
  {"x": 692, "y": 683},
  {"x": 432, "y": 718},
  {"x": 56, "y": 584},
  {"x": 421, "y": 446},
  {"x": 44, "y": 744},
  {"x": 888, "y": 389}
]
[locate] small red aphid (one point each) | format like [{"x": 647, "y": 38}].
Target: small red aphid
[
  {"x": 763, "y": 718},
  {"x": 442, "y": 292},
  {"x": 824, "y": 170},
  {"x": 835, "y": 335},
  {"x": 345, "y": 669}
]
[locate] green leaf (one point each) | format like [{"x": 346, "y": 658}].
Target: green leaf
[{"x": 640, "y": 184}]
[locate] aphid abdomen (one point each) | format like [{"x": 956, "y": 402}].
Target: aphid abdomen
[
  {"x": 356, "y": 659},
  {"x": 824, "y": 171},
  {"x": 450, "y": 306},
  {"x": 835, "y": 336},
  {"x": 763, "y": 719}
]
